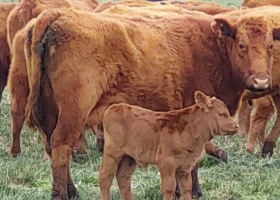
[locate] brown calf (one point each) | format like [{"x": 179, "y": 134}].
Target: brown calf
[{"x": 173, "y": 140}]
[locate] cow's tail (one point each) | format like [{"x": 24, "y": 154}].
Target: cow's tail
[{"x": 36, "y": 48}]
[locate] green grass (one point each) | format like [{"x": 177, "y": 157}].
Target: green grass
[{"x": 28, "y": 177}]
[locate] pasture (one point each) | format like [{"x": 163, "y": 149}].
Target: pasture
[{"x": 28, "y": 177}]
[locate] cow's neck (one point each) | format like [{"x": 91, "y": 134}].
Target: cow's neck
[{"x": 230, "y": 88}]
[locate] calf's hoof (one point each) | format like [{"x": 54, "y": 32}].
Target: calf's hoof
[
  {"x": 267, "y": 149},
  {"x": 223, "y": 156},
  {"x": 100, "y": 144},
  {"x": 14, "y": 151}
]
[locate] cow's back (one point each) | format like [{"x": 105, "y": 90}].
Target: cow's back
[
  {"x": 28, "y": 9},
  {"x": 256, "y": 3}
]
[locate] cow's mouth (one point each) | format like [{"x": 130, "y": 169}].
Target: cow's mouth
[{"x": 255, "y": 90}]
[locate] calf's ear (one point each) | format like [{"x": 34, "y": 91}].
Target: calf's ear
[
  {"x": 223, "y": 27},
  {"x": 276, "y": 33},
  {"x": 202, "y": 100}
]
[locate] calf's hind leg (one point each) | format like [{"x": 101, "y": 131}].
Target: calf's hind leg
[
  {"x": 124, "y": 174},
  {"x": 107, "y": 170}
]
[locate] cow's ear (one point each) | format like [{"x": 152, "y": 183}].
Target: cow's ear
[
  {"x": 276, "y": 33},
  {"x": 202, "y": 100},
  {"x": 223, "y": 27}
]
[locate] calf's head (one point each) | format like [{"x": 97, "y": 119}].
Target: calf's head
[
  {"x": 216, "y": 115},
  {"x": 249, "y": 45}
]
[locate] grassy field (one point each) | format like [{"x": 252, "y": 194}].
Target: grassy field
[{"x": 28, "y": 177}]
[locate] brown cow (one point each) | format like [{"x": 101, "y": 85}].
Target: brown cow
[
  {"x": 5, "y": 9},
  {"x": 257, "y": 3},
  {"x": 206, "y": 7},
  {"x": 17, "y": 19},
  {"x": 254, "y": 125},
  {"x": 80, "y": 69},
  {"x": 19, "y": 89},
  {"x": 173, "y": 140}
]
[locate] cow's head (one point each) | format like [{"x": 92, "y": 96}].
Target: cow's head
[
  {"x": 216, "y": 114},
  {"x": 249, "y": 45}
]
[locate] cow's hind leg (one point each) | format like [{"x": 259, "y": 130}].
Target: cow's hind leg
[
  {"x": 17, "y": 113},
  {"x": 215, "y": 151},
  {"x": 196, "y": 190},
  {"x": 19, "y": 90},
  {"x": 185, "y": 184},
  {"x": 244, "y": 117},
  {"x": 67, "y": 134},
  {"x": 264, "y": 111},
  {"x": 270, "y": 141},
  {"x": 124, "y": 174}
]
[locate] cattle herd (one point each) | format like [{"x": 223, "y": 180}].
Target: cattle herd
[{"x": 154, "y": 81}]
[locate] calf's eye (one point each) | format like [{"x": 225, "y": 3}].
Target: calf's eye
[{"x": 271, "y": 46}]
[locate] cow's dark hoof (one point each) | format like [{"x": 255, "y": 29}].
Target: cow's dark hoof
[
  {"x": 177, "y": 194},
  {"x": 55, "y": 196},
  {"x": 268, "y": 148},
  {"x": 100, "y": 144},
  {"x": 223, "y": 156},
  {"x": 15, "y": 151},
  {"x": 72, "y": 192},
  {"x": 196, "y": 193},
  {"x": 79, "y": 156}
]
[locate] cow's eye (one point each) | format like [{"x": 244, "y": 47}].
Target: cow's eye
[{"x": 271, "y": 46}]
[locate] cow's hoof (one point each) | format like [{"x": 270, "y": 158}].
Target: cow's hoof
[
  {"x": 15, "y": 151},
  {"x": 72, "y": 192},
  {"x": 79, "y": 156},
  {"x": 268, "y": 148},
  {"x": 223, "y": 156},
  {"x": 196, "y": 193},
  {"x": 57, "y": 197},
  {"x": 100, "y": 144},
  {"x": 177, "y": 194}
]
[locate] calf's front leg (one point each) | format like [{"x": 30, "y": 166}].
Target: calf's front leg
[
  {"x": 168, "y": 180},
  {"x": 185, "y": 184}
]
